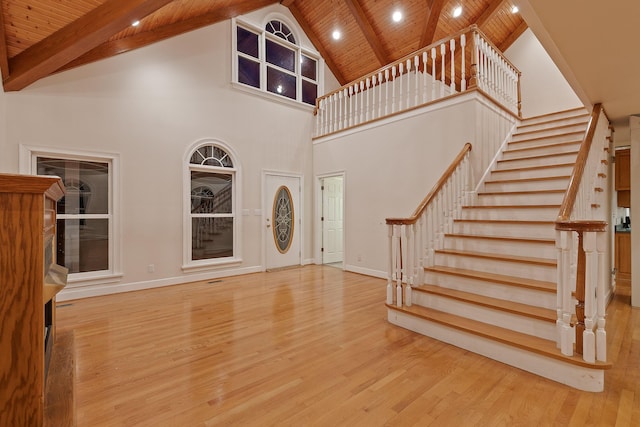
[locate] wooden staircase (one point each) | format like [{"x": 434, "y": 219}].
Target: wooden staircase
[{"x": 492, "y": 286}]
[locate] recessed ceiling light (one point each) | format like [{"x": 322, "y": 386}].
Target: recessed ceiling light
[
  {"x": 397, "y": 16},
  {"x": 457, "y": 11},
  {"x": 515, "y": 9},
  {"x": 336, "y": 34},
  {"x": 135, "y": 23}
]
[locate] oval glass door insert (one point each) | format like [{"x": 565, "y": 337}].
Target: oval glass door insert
[{"x": 283, "y": 219}]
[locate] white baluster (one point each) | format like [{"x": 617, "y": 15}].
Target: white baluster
[
  {"x": 407, "y": 100},
  {"x": 373, "y": 96},
  {"x": 416, "y": 63},
  {"x": 425, "y": 60},
  {"x": 591, "y": 277},
  {"x": 362, "y": 96},
  {"x": 452, "y": 46},
  {"x": 380, "y": 94},
  {"x": 393, "y": 89},
  {"x": 463, "y": 79},
  {"x": 409, "y": 230},
  {"x": 433, "y": 73},
  {"x": 564, "y": 243},
  {"x": 345, "y": 118},
  {"x": 400, "y": 91},
  {"x": 390, "y": 266},
  {"x": 399, "y": 265},
  {"x": 352, "y": 120},
  {"x": 443, "y": 57},
  {"x": 601, "y": 334},
  {"x": 386, "y": 92}
]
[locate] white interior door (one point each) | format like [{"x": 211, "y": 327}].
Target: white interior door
[
  {"x": 332, "y": 219},
  {"x": 282, "y": 220}
]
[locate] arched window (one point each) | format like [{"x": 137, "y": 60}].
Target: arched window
[
  {"x": 211, "y": 206},
  {"x": 271, "y": 60}
]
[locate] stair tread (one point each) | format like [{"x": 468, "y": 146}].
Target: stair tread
[
  {"x": 580, "y": 111},
  {"x": 501, "y": 257},
  {"x": 506, "y": 238},
  {"x": 536, "y": 345},
  {"x": 525, "y": 310},
  {"x": 542, "y": 138},
  {"x": 522, "y": 282}
]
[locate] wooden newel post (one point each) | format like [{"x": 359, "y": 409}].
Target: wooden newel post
[
  {"x": 473, "y": 68},
  {"x": 580, "y": 293}
]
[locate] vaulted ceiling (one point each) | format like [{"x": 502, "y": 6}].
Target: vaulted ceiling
[{"x": 41, "y": 37}]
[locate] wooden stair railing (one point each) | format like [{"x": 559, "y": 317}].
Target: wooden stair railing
[
  {"x": 582, "y": 213},
  {"x": 413, "y": 240}
]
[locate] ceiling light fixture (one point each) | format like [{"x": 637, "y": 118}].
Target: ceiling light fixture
[
  {"x": 457, "y": 11},
  {"x": 515, "y": 9},
  {"x": 397, "y": 16},
  {"x": 135, "y": 23},
  {"x": 336, "y": 34}
]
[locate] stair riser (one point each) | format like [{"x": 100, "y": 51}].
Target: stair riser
[
  {"x": 490, "y": 289},
  {"x": 520, "y": 199},
  {"x": 507, "y": 214},
  {"x": 525, "y": 185},
  {"x": 528, "y": 134},
  {"x": 578, "y": 120},
  {"x": 515, "y": 269},
  {"x": 506, "y": 229},
  {"x": 538, "y": 149},
  {"x": 515, "y": 322},
  {"x": 536, "y": 250},
  {"x": 531, "y": 173},
  {"x": 537, "y": 161},
  {"x": 575, "y": 376}
]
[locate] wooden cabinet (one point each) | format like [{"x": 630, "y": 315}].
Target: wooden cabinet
[
  {"x": 623, "y": 258},
  {"x": 29, "y": 281},
  {"x": 623, "y": 177}
]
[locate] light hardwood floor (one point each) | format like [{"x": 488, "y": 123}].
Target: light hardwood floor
[{"x": 311, "y": 346}]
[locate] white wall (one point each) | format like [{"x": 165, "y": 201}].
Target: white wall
[
  {"x": 149, "y": 106},
  {"x": 543, "y": 88},
  {"x": 389, "y": 169}
]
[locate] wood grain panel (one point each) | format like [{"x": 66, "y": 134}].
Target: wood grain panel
[{"x": 311, "y": 346}]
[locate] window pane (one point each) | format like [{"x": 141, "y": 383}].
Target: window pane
[
  {"x": 83, "y": 244},
  {"x": 247, "y": 42},
  {"x": 248, "y": 72},
  {"x": 281, "y": 83},
  {"x": 309, "y": 92},
  {"x": 281, "y": 56},
  {"x": 87, "y": 184},
  {"x": 309, "y": 67},
  {"x": 211, "y": 238},
  {"x": 211, "y": 193}
]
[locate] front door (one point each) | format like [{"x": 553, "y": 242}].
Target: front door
[
  {"x": 332, "y": 219},
  {"x": 282, "y": 220}
]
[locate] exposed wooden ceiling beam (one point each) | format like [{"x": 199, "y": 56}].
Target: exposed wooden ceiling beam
[
  {"x": 432, "y": 22},
  {"x": 506, "y": 43},
  {"x": 146, "y": 38},
  {"x": 4, "y": 53},
  {"x": 75, "y": 39},
  {"x": 369, "y": 33},
  {"x": 306, "y": 27},
  {"x": 488, "y": 13}
]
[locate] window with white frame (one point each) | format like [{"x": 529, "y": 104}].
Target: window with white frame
[
  {"x": 271, "y": 61},
  {"x": 211, "y": 206},
  {"x": 85, "y": 220}
]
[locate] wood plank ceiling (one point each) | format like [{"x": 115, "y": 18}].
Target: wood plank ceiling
[{"x": 41, "y": 37}]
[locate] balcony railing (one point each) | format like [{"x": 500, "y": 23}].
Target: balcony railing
[{"x": 464, "y": 61}]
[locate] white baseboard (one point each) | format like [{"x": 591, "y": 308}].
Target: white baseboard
[
  {"x": 109, "y": 289},
  {"x": 365, "y": 271}
]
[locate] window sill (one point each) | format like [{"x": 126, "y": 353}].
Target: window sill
[
  {"x": 272, "y": 97},
  {"x": 210, "y": 264}
]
